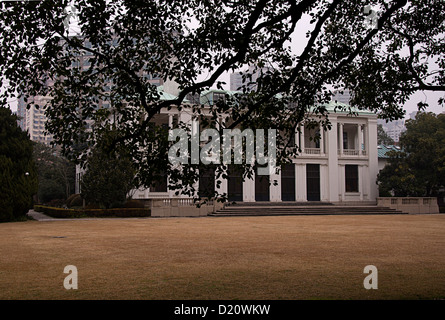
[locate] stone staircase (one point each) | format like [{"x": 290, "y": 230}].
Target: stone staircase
[{"x": 301, "y": 208}]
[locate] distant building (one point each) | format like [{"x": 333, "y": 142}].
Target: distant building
[
  {"x": 382, "y": 152},
  {"x": 33, "y": 119},
  {"x": 342, "y": 97},
  {"x": 394, "y": 129},
  {"x": 412, "y": 115},
  {"x": 237, "y": 81}
]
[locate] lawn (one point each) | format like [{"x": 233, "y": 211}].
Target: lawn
[{"x": 293, "y": 257}]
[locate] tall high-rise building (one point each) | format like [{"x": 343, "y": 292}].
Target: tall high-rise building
[
  {"x": 33, "y": 119},
  {"x": 394, "y": 129},
  {"x": 342, "y": 97},
  {"x": 237, "y": 81}
]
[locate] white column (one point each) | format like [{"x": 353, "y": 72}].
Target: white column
[
  {"x": 360, "y": 138},
  {"x": 275, "y": 190},
  {"x": 223, "y": 186},
  {"x": 170, "y": 127},
  {"x": 324, "y": 182},
  {"x": 365, "y": 184},
  {"x": 340, "y": 139},
  {"x": 249, "y": 189},
  {"x": 223, "y": 183},
  {"x": 170, "y": 121},
  {"x": 321, "y": 139},
  {"x": 341, "y": 182},
  {"x": 332, "y": 153},
  {"x": 372, "y": 158},
  {"x": 300, "y": 182},
  {"x": 366, "y": 138},
  {"x": 360, "y": 181},
  {"x": 302, "y": 138}
]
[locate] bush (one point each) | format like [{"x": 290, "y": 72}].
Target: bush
[
  {"x": 93, "y": 213},
  {"x": 134, "y": 204},
  {"x": 38, "y": 208},
  {"x": 56, "y": 203},
  {"x": 74, "y": 200},
  {"x": 92, "y": 206}
]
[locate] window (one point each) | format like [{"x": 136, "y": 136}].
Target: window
[
  {"x": 219, "y": 96},
  {"x": 159, "y": 186},
  {"x": 351, "y": 178}
]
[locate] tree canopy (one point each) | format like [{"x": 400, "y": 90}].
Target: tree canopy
[
  {"x": 382, "y": 57},
  {"x": 419, "y": 169},
  {"x": 56, "y": 174},
  {"x": 108, "y": 179},
  {"x": 18, "y": 177}
]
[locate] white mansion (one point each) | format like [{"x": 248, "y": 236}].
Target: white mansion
[{"x": 342, "y": 166}]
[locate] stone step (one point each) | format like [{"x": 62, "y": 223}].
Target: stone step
[
  {"x": 279, "y": 204},
  {"x": 302, "y": 210}
]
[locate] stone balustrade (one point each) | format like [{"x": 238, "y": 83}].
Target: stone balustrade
[
  {"x": 410, "y": 204},
  {"x": 181, "y": 207}
]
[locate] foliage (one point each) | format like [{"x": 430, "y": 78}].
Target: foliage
[
  {"x": 56, "y": 173},
  {"x": 96, "y": 213},
  {"x": 424, "y": 142},
  {"x": 383, "y": 137},
  {"x": 18, "y": 178},
  {"x": 397, "y": 178},
  {"x": 108, "y": 179},
  {"x": 420, "y": 169},
  {"x": 134, "y": 204},
  {"x": 74, "y": 200},
  {"x": 129, "y": 42}
]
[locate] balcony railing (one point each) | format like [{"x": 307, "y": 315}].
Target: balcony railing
[
  {"x": 351, "y": 152},
  {"x": 312, "y": 150}
]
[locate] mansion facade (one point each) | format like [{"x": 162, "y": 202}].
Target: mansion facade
[{"x": 341, "y": 166}]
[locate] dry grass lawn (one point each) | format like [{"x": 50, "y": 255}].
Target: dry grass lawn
[{"x": 277, "y": 258}]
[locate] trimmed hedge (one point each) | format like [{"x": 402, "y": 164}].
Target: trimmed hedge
[{"x": 93, "y": 213}]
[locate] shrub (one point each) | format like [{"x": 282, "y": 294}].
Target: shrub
[
  {"x": 56, "y": 203},
  {"x": 95, "y": 213},
  {"x": 132, "y": 203},
  {"x": 74, "y": 200},
  {"x": 92, "y": 206}
]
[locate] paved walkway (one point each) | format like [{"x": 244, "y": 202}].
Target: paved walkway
[{"x": 40, "y": 216}]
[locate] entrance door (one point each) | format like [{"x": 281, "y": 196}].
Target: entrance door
[
  {"x": 262, "y": 188},
  {"x": 313, "y": 182},
  {"x": 288, "y": 182},
  {"x": 206, "y": 181},
  {"x": 234, "y": 184}
]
